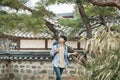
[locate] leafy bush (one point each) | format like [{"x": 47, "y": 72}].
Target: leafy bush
[
  {"x": 105, "y": 46},
  {"x": 105, "y": 67}
]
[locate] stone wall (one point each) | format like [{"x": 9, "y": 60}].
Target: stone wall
[{"x": 35, "y": 70}]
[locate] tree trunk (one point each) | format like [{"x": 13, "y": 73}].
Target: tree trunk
[
  {"x": 115, "y": 3},
  {"x": 51, "y": 28},
  {"x": 84, "y": 18}
]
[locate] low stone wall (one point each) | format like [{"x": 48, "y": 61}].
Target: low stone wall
[{"x": 35, "y": 70}]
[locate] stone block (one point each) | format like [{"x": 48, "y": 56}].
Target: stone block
[
  {"x": 45, "y": 66},
  {"x": 35, "y": 72},
  {"x": 3, "y": 66},
  {"x": 22, "y": 70},
  {"x": 11, "y": 70},
  {"x": 39, "y": 77},
  {"x": 7, "y": 70},
  {"x": 2, "y": 71},
  {"x": 33, "y": 67},
  {"x": 16, "y": 66},
  {"x": 51, "y": 66},
  {"x": 22, "y": 66},
  {"x": 1, "y": 76},
  {"x": 28, "y": 70},
  {"x": 51, "y": 77},
  {"x": 11, "y": 76},
  {"x": 41, "y": 63},
  {"x": 44, "y": 77},
  {"x": 25, "y": 77},
  {"x": 43, "y": 71},
  {"x": 51, "y": 72},
  {"x": 32, "y": 77},
  {"x": 39, "y": 67},
  {"x": 27, "y": 66},
  {"x": 17, "y": 78},
  {"x": 31, "y": 62},
  {"x": 19, "y": 62},
  {"x": 11, "y": 66},
  {"x": 16, "y": 70}
]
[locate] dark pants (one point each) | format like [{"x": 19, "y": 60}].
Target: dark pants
[{"x": 58, "y": 72}]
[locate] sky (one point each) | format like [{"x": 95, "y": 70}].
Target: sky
[{"x": 61, "y": 8}]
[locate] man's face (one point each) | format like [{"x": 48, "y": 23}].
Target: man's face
[{"x": 61, "y": 40}]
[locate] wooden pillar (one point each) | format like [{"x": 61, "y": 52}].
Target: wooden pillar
[
  {"x": 78, "y": 45},
  {"x": 18, "y": 44},
  {"x": 46, "y": 44}
]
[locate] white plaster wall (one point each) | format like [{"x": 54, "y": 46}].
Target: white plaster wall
[
  {"x": 69, "y": 43},
  {"x": 50, "y": 43},
  {"x": 73, "y": 44},
  {"x": 32, "y": 43}
]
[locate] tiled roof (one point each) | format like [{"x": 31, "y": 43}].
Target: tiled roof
[
  {"x": 25, "y": 34},
  {"x": 61, "y": 29},
  {"x": 16, "y": 55},
  {"x": 25, "y": 55},
  {"x": 43, "y": 34}
]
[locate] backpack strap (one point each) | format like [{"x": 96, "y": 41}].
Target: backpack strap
[{"x": 66, "y": 47}]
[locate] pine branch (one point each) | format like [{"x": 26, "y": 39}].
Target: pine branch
[
  {"x": 22, "y": 6},
  {"x": 47, "y": 23}
]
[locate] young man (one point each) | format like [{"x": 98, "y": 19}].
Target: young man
[{"x": 60, "y": 56}]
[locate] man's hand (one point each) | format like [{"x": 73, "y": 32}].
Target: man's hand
[{"x": 75, "y": 54}]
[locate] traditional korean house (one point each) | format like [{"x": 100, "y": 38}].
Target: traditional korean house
[
  {"x": 42, "y": 41},
  {"x": 22, "y": 40},
  {"x": 27, "y": 55}
]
